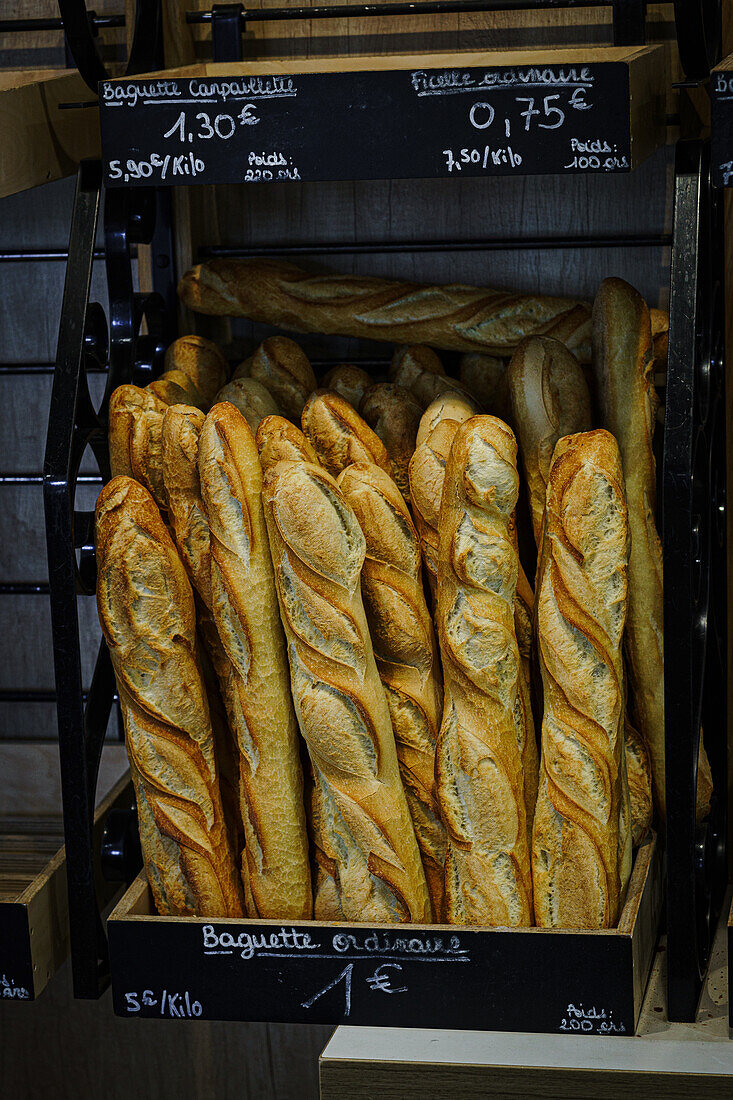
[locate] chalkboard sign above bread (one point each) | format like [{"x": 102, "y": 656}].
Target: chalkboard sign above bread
[{"x": 428, "y": 116}]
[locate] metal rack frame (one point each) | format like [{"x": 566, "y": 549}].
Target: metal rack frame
[{"x": 74, "y": 425}]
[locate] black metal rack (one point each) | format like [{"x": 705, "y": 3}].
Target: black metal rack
[{"x": 693, "y": 504}]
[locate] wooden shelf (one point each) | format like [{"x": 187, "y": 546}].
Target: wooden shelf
[
  {"x": 39, "y": 142},
  {"x": 34, "y": 911}
]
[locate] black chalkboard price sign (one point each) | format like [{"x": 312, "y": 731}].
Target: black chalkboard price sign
[
  {"x": 251, "y": 125},
  {"x": 721, "y": 123},
  {"x": 16, "y": 964}
]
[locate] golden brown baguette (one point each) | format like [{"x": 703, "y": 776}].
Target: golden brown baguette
[
  {"x": 202, "y": 361},
  {"x": 623, "y": 362},
  {"x": 448, "y": 406},
  {"x": 318, "y": 549},
  {"x": 479, "y": 758},
  {"x": 147, "y": 614},
  {"x": 454, "y": 317},
  {"x": 275, "y": 867},
  {"x": 405, "y": 650},
  {"x": 253, "y": 400},
  {"x": 420, "y": 372},
  {"x": 278, "y": 439},
  {"x": 549, "y": 399},
  {"x": 135, "y": 427},
  {"x": 638, "y": 771},
  {"x": 581, "y": 855},
  {"x": 394, "y": 416},
  {"x": 282, "y": 367},
  {"x": 347, "y": 381},
  {"x": 484, "y": 376},
  {"x": 338, "y": 434},
  {"x": 182, "y": 426}
]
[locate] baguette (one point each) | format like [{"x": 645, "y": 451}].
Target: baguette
[
  {"x": 581, "y": 858},
  {"x": 479, "y": 756},
  {"x": 549, "y": 399},
  {"x": 623, "y": 361},
  {"x": 275, "y": 867},
  {"x": 339, "y": 436},
  {"x": 420, "y": 372},
  {"x": 147, "y": 615},
  {"x": 251, "y": 398},
  {"x": 448, "y": 406},
  {"x": 484, "y": 376},
  {"x": 135, "y": 428},
  {"x": 203, "y": 363},
  {"x": 282, "y": 367},
  {"x": 453, "y": 317},
  {"x": 394, "y": 416},
  {"x": 639, "y": 775},
  {"x": 318, "y": 549},
  {"x": 348, "y": 382},
  {"x": 405, "y": 650},
  {"x": 278, "y": 439}
]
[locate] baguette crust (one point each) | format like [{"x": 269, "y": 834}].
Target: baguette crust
[
  {"x": 283, "y": 368},
  {"x": 484, "y": 376},
  {"x": 623, "y": 361},
  {"x": 319, "y": 551},
  {"x": 479, "y": 759},
  {"x": 135, "y": 429},
  {"x": 251, "y": 398},
  {"x": 581, "y": 858},
  {"x": 420, "y": 372},
  {"x": 339, "y": 436},
  {"x": 639, "y": 775},
  {"x": 394, "y": 416},
  {"x": 549, "y": 399},
  {"x": 275, "y": 867},
  {"x": 147, "y": 614},
  {"x": 202, "y": 361},
  {"x": 405, "y": 650},
  {"x": 453, "y": 317},
  {"x": 348, "y": 382},
  {"x": 447, "y": 406},
  {"x": 278, "y": 439}
]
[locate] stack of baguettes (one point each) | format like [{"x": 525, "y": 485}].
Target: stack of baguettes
[{"x": 283, "y": 567}]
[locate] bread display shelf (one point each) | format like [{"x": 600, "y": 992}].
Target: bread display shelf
[
  {"x": 39, "y": 140},
  {"x": 397, "y": 117},
  {"x": 390, "y": 975},
  {"x": 34, "y": 908}
]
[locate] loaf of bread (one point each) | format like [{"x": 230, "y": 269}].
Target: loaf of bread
[
  {"x": 448, "y": 406},
  {"x": 282, "y": 367},
  {"x": 405, "y": 650},
  {"x": 278, "y": 439},
  {"x": 549, "y": 399},
  {"x": 394, "y": 416},
  {"x": 318, "y": 549},
  {"x": 349, "y": 382},
  {"x": 275, "y": 867},
  {"x": 135, "y": 427},
  {"x": 639, "y": 773},
  {"x": 147, "y": 614},
  {"x": 420, "y": 372},
  {"x": 339, "y": 436},
  {"x": 426, "y": 472},
  {"x": 484, "y": 376},
  {"x": 251, "y": 398},
  {"x": 479, "y": 757},
  {"x": 454, "y": 317},
  {"x": 202, "y": 362},
  {"x": 623, "y": 362},
  {"x": 581, "y": 855}
]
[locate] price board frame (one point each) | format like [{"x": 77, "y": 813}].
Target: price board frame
[
  {"x": 574, "y": 982},
  {"x": 427, "y": 116}
]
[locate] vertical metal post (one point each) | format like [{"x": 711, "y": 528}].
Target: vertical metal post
[{"x": 227, "y": 21}]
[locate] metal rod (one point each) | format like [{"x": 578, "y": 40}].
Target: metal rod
[
  {"x": 99, "y": 22},
  {"x": 25, "y": 588},
  {"x": 40, "y": 368},
  {"x": 34, "y": 255},
  {"x": 37, "y": 479},
  {"x": 420, "y": 7},
  {"x": 340, "y": 248},
  {"x": 35, "y": 695}
]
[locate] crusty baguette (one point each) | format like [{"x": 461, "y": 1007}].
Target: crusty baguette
[
  {"x": 394, "y": 416},
  {"x": 278, "y": 439},
  {"x": 135, "y": 427},
  {"x": 623, "y": 362},
  {"x": 484, "y": 375},
  {"x": 581, "y": 856},
  {"x": 202, "y": 361},
  {"x": 419, "y": 371},
  {"x": 347, "y": 381},
  {"x": 405, "y": 650},
  {"x": 147, "y": 614},
  {"x": 638, "y": 771},
  {"x": 549, "y": 399},
  {"x": 448, "y": 406},
  {"x": 479, "y": 758},
  {"x": 282, "y": 367},
  {"x": 275, "y": 867},
  {"x": 454, "y": 317},
  {"x": 426, "y": 472},
  {"x": 175, "y": 388},
  {"x": 338, "y": 434},
  {"x": 253, "y": 400},
  {"x": 318, "y": 549}
]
